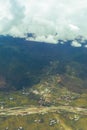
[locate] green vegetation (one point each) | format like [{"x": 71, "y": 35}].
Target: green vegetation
[{"x": 42, "y": 75}]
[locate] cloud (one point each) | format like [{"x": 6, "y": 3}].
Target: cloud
[
  {"x": 85, "y": 46},
  {"x": 44, "y": 18},
  {"x": 73, "y": 27},
  {"x": 42, "y": 38},
  {"x": 76, "y": 44}
]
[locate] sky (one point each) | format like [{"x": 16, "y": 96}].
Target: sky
[{"x": 48, "y": 20}]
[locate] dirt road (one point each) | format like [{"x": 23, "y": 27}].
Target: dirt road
[{"x": 34, "y": 110}]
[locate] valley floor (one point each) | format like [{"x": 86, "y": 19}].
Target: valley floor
[{"x": 43, "y": 118}]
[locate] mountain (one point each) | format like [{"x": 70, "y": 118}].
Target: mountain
[
  {"x": 25, "y": 63},
  {"x": 42, "y": 86}
]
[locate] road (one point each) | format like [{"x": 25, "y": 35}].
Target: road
[{"x": 27, "y": 110}]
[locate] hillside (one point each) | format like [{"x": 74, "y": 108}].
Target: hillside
[
  {"x": 42, "y": 86},
  {"x": 25, "y": 63}
]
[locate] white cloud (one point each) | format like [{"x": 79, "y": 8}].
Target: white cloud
[
  {"x": 74, "y": 27},
  {"x": 85, "y": 46},
  {"x": 76, "y": 44},
  {"x": 48, "y": 39},
  {"x": 44, "y": 18}
]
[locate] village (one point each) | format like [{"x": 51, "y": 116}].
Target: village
[{"x": 46, "y": 98}]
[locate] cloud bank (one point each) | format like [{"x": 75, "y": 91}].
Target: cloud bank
[{"x": 48, "y": 20}]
